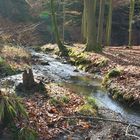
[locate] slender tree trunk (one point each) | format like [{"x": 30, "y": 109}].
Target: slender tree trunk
[
  {"x": 100, "y": 23},
  {"x": 64, "y": 18},
  {"x": 109, "y": 24},
  {"x": 62, "y": 48},
  {"x": 131, "y": 14},
  {"x": 90, "y": 6},
  {"x": 84, "y": 23}
]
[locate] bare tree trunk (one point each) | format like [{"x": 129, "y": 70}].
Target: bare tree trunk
[
  {"x": 101, "y": 23},
  {"x": 84, "y": 23},
  {"x": 62, "y": 48},
  {"x": 131, "y": 14},
  {"x": 90, "y": 6},
  {"x": 109, "y": 24}
]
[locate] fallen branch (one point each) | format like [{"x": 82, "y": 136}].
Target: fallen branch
[
  {"x": 130, "y": 135},
  {"x": 100, "y": 119}
]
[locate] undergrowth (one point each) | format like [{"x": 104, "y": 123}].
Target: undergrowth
[{"x": 12, "y": 111}]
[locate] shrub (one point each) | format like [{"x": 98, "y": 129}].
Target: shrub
[
  {"x": 5, "y": 68},
  {"x": 10, "y": 108},
  {"x": 26, "y": 133}
]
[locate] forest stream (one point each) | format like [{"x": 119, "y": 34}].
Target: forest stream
[{"x": 56, "y": 70}]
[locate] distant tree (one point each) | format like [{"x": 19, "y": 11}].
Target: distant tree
[
  {"x": 100, "y": 23},
  {"x": 109, "y": 24},
  {"x": 84, "y": 23},
  {"x": 91, "y": 35},
  {"x": 62, "y": 48},
  {"x": 131, "y": 14}
]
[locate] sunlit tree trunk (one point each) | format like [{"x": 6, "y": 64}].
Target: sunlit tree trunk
[
  {"x": 62, "y": 48},
  {"x": 131, "y": 14},
  {"x": 64, "y": 18},
  {"x": 90, "y": 6},
  {"x": 109, "y": 24},
  {"x": 84, "y": 23},
  {"x": 100, "y": 23}
]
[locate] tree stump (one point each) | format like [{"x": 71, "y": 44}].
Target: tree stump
[{"x": 28, "y": 79}]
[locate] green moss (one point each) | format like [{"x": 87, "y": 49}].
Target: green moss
[
  {"x": 54, "y": 101},
  {"x": 79, "y": 59},
  {"x": 1, "y": 61},
  {"x": 72, "y": 122},
  {"x": 114, "y": 73},
  {"x": 102, "y": 62},
  {"x": 119, "y": 95},
  {"x": 111, "y": 74},
  {"x": 116, "y": 94},
  {"x": 90, "y": 108},
  {"x": 59, "y": 101},
  {"x": 65, "y": 99},
  {"x": 91, "y": 101},
  {"x": 87, "y": 110}
]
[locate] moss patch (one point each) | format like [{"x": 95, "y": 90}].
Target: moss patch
[
  {"x": 87, "y": 110},
  {"x": 59, "y": 100},
  {"x": 113, "y": 73},
  {"x": 79, "y": 59}
]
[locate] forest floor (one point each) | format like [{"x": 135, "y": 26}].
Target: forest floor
[
  {"x": 58, "y": 116},
  {"x": 50, "y": 114},
  {"x": 54, "y": 112}
]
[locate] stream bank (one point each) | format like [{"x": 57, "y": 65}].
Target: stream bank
[
  {"x": 50, "y": 68},
  {"x": 119, "y": 67}
]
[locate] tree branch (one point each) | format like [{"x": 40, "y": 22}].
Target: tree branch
[
  {"x": 100, "y": 119},
  {"x": 130, "y": 135}
]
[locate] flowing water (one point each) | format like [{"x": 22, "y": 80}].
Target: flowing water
[{"x": 79, "y": 82}]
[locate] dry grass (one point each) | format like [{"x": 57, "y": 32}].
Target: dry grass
[
  {"x": 14, "y": 52},
  {"x": 18, "y": 58}
]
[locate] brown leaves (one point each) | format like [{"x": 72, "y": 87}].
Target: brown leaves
[{"x": 45, "y": 118}]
